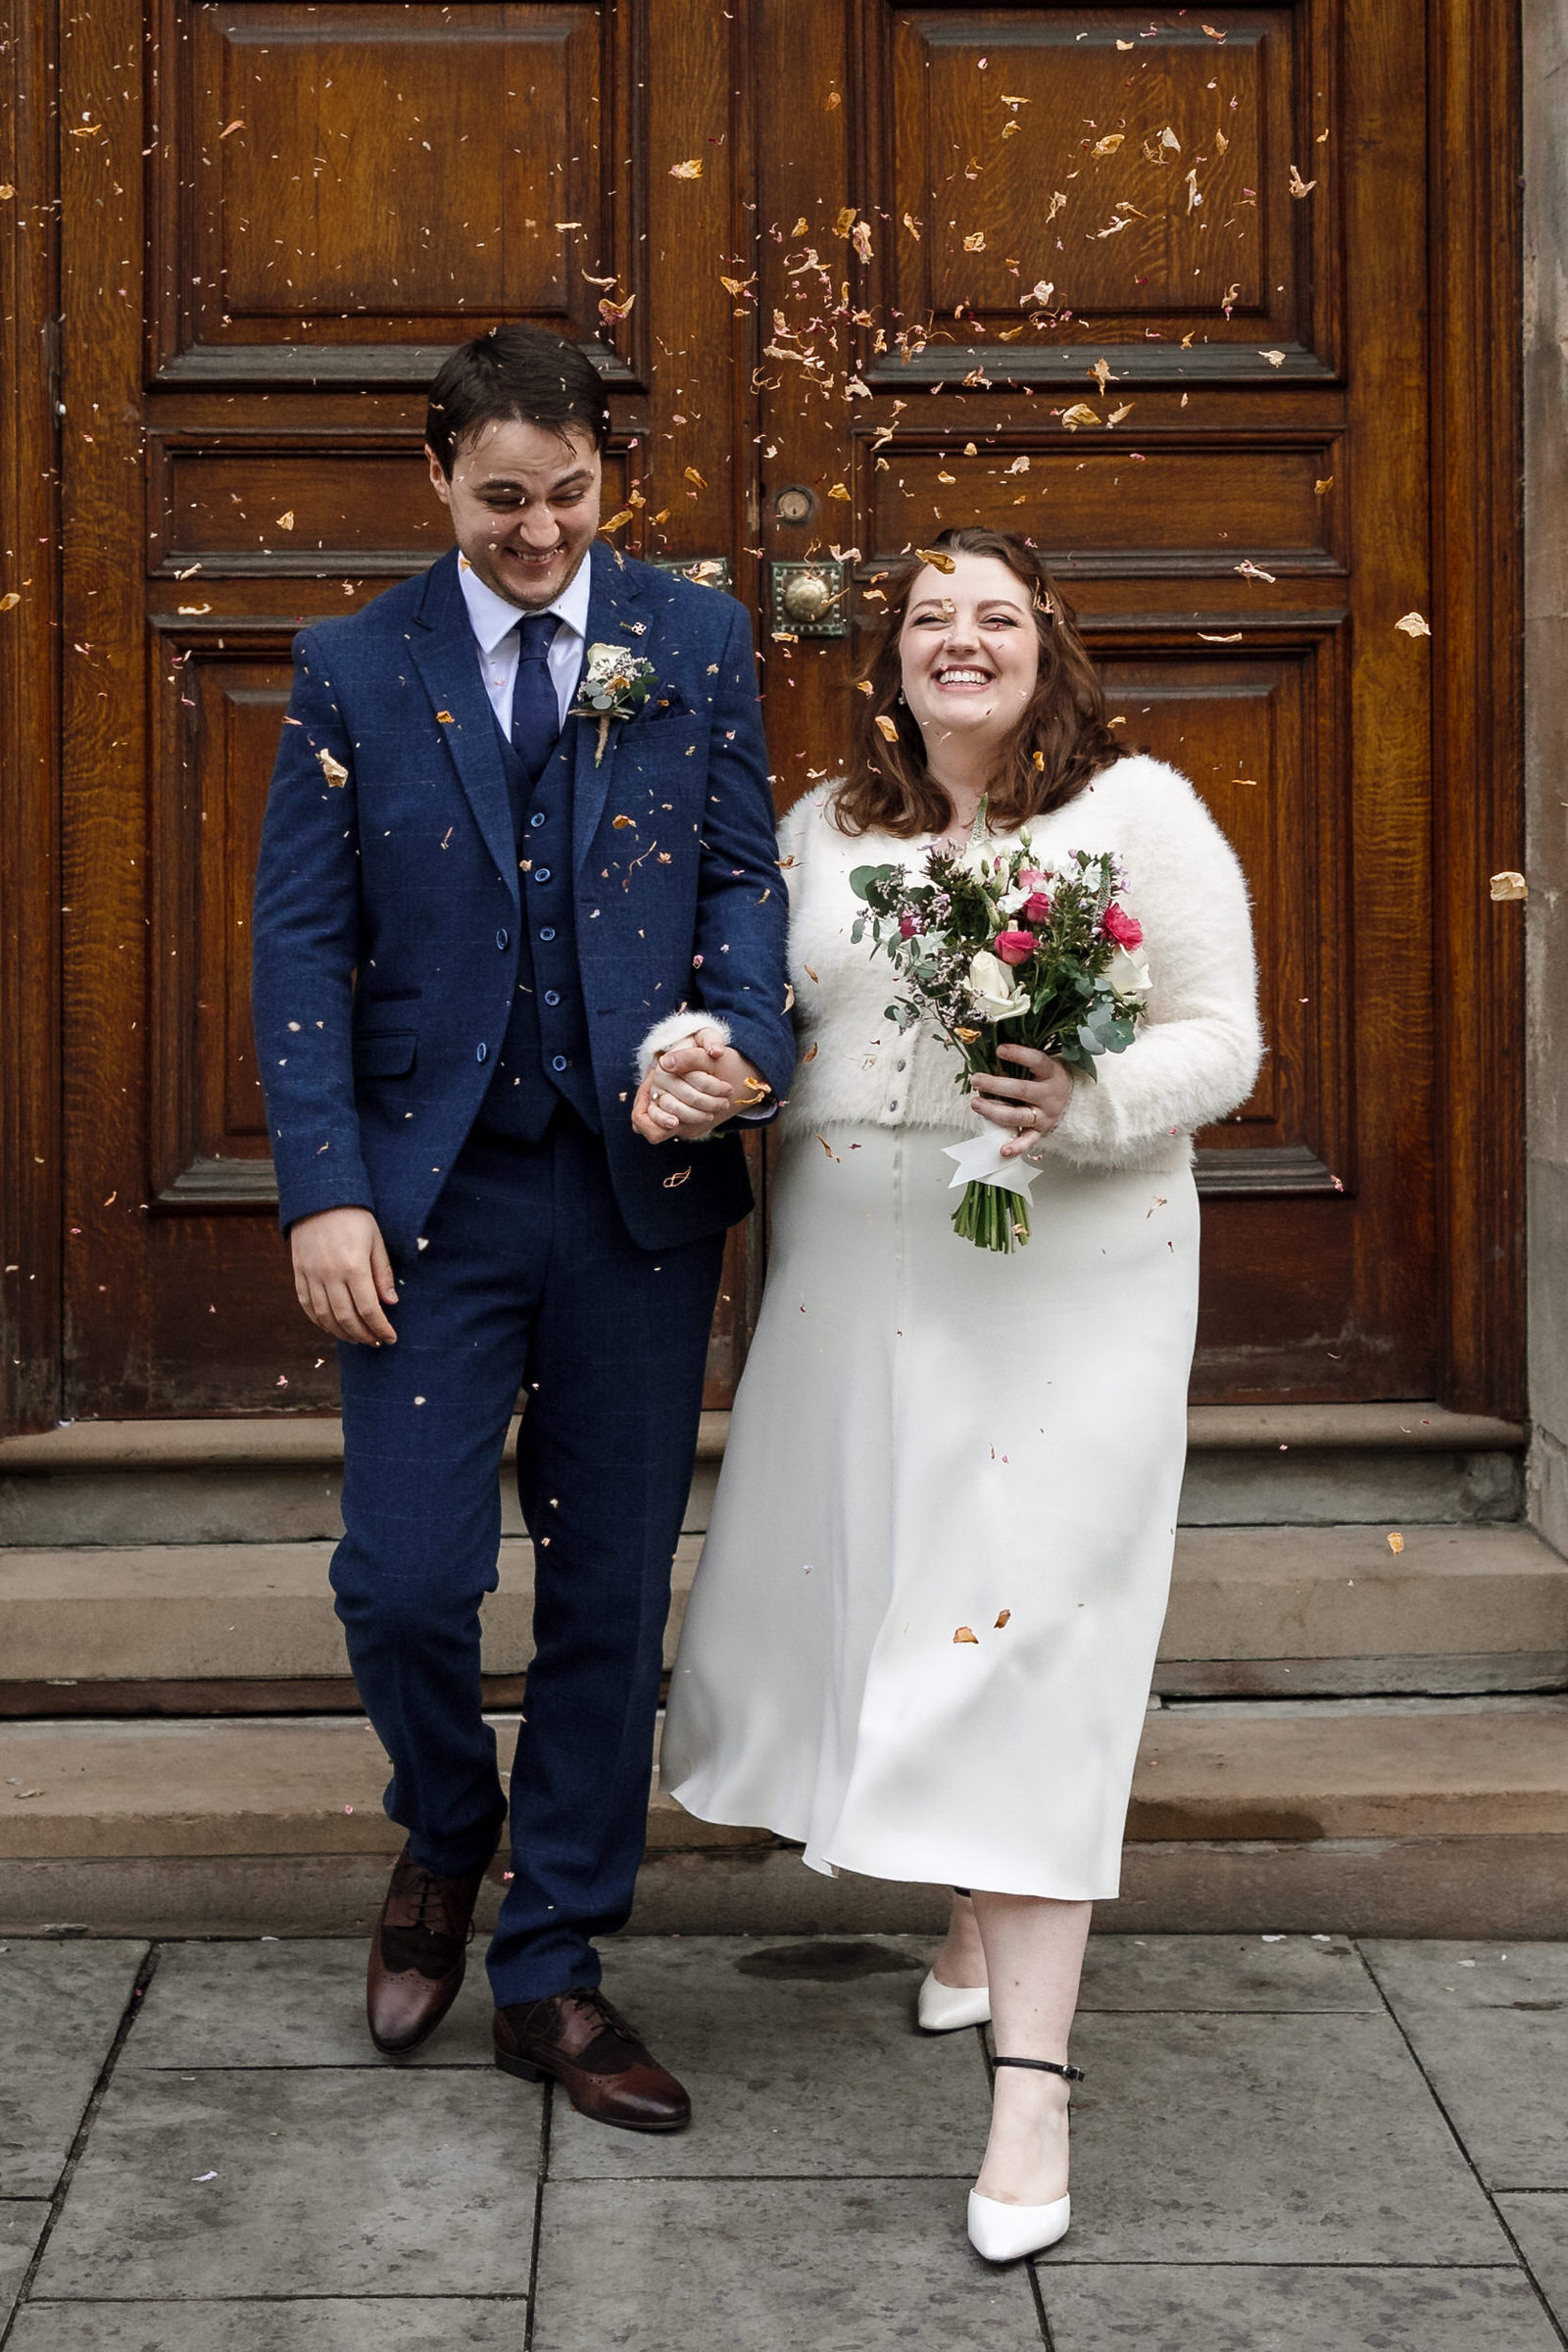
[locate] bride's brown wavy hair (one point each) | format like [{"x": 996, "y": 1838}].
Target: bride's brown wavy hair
[{"x": 1059, "y": 742}]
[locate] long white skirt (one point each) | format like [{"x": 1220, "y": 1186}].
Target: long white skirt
[{"x": 932, "y": 1441}]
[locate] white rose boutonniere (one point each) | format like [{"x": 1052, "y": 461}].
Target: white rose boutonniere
[{"x": 616, "y": 684}]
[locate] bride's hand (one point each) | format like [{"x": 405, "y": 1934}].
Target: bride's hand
[
  {"x": 693, "y": 1088},
  {"x": 1028, "y": 1105}
]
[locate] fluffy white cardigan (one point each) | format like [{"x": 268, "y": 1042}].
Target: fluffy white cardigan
[{"x": 1196, "y": 1054}]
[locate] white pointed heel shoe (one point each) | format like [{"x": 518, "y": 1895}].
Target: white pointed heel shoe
[
  {"x": 1007, "y": 2233},
  {"x": 944, "y": 2008}
]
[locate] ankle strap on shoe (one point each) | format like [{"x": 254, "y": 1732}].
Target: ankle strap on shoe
[{"x": 1045, "y": 2066}]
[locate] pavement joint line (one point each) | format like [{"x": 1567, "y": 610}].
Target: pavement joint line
[
  {"x": 1553, "y": 2322},
  {"x": 90, "y": 2116},
  {"x": 541, "y": 2179}
]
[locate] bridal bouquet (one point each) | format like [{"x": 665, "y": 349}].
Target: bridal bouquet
[{"x": 998, "y": 948}]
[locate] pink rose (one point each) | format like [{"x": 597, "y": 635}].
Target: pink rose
[
  {"x": 1030, "y": 878},
  {"x": 1014, "y": 946},
  {"x": 908, "y": 927},
  {"x": 1037, "y": 908},
  {"x": 1124, "y": 928}
]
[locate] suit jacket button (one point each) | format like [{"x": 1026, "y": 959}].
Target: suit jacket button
[
  {"x": 558, "y": 1063},
  {"x": 502, "y": 938},
  {"x": 481, "y": 1053},
  {"x": 549, "y": 931},
  {"x": 541, "y": 873}
]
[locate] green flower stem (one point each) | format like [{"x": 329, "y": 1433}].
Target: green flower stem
[{"x": 992, "y": 1217}]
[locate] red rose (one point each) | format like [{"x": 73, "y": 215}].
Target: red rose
[
  {"x": 908, "y": 927},
  {"x": 1014, "y": 946},
  {"x": 1037, "y": 908},
  {"x": 1124, "y": 928}
]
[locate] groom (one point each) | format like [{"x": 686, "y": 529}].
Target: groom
[{"x": 472, "y": 907}]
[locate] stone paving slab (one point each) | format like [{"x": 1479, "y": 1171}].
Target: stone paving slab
[
  {"x": 384, "y": 2323},
  {"x": 1539, "y": 2221},
  {"x": 1193, "y": 2309},
  {"x": 776, "y": 2266},
  {"x": 801, "y": 2058},
  {"x": 20, "y": 2227},
  {"x": 1490, "y": 2025},
  {"x": 1287, "y": 2139},
  {"x": 1225, "y": 1972},
  {"x": 294, "y": 2003},
  {"x": 61, "y": 2004},
  {"x": 331, "y": 2181}
]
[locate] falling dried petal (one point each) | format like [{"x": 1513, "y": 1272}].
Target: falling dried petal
[
  {"x": 192, "y": 611},
  {"x": 9, "y": 601},
  {"x": 865, "y": 687},
  {"x": 887, "y": 728},
  {"x": 690, "y": 169},
  {"x": 1117, "y": 416},
  {"x": 860, "y": 239},
  {"x": 692, "y": 476},
  {"x": 1321, "y": 489},
  {"x": 838, "y": 491},
  {"x": 1109, "y": 143},
  {"x": 1235, "y": 638},
  {"x": 1508, "y": 885},
  {"x": 610, "y": 312},
  {"x": 285, "y": 521},
  {"x": 1079, "y": 413},
  {"x": 444, "y": 719},
  {"x": 1100, "y": 372},
  {"x": 1300, "y": 186},
  {"x": 1019, "y": 465},
  {"x": 616, "y": 520},
  {"x": 968, "y": 1036},
  {"x": 964, "y": 1635},
  {"x": 1275, "y": 359},
  {"x": 947, "y": 478},
  {"x": 1253, "y": 571},
  {"x": 935, "y": 557},
  {"x": 1412, "y": 625},
  {"x": 679, "y": 1178},
  {"x": 844, "y": 221},
  {"x": 833, "y": 100},
  {"x": 975, "y": 242},
  {"x": 1396, "y": 1543},
  {"x": 1169, "y": 141},
  {"x": 333, "y": 769},
  {"x": 1002, "y": 1619},
  {"x": 619, "y": 822}
]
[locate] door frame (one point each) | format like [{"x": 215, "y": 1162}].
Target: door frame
[{"x": 1475, "y": 426}]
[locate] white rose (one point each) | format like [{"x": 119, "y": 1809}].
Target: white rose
[
  {"x": 994, "y": 989},
  {"x": 1128, "y": 974}
]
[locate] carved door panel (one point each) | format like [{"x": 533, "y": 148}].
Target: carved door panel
[
  {"x": 278, "y": 219},
  {"x": 1104, "y": 277}
]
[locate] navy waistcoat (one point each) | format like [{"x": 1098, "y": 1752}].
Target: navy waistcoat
[{"x": 544, "y": 1054}]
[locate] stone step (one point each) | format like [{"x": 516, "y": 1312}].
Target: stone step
[
  {"x": 224, "y": 1628},
  {"x": 273, "y": 1481},
  {"x": 1416, "y": 1817}
]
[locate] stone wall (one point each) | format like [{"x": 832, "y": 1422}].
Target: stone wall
[{"x": 1545, "y": 394}]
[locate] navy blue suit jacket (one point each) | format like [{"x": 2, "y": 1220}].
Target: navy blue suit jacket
[{"x": 387, "y": 908}]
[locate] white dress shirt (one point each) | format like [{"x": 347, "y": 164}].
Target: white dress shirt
[{"x": 495, "y": 625}]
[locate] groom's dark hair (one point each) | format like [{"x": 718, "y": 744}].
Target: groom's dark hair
[{"x": 518, "y": 376}]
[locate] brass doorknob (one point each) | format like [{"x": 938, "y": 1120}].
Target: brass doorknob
[{"x": 806, "y": 596}]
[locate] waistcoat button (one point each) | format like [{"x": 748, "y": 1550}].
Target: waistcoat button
[
  {"x": 541, "y": 873},
  {"x": 558, "y": 1062},
  {"x": 537, "y": 818},
  {"x": 552, "y": 996},
  {"x": 481, "y": 1053},
  {"x": 548, "y": 932}
]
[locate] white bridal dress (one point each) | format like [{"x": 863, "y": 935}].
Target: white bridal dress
[{"x": 923, "y": 1628}]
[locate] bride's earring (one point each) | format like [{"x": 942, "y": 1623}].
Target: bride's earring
[{"x": 903, "y": 697}]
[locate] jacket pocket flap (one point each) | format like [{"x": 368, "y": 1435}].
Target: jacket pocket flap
[{"x": 384, "y": 1053}]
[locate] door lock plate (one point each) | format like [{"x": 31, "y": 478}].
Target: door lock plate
[{"x": 809, "y": 597}]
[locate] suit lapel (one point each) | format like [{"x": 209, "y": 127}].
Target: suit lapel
[
  {"x": 612, "y": 601},
  {"x": 446, "y": 654}
]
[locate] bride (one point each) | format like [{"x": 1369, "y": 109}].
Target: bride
[{"x": 922, "y": 1631}]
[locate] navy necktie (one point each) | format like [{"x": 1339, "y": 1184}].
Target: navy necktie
[{"x": 535, "y": 711}]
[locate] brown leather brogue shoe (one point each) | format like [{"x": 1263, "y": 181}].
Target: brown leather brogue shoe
[
  {"x": 417, "y": 1954},
  {"x": 578, "y": 2039}
]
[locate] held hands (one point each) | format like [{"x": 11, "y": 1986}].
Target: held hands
[
  {"x": 693, "y": 1088},
  {"x": 343, "y": 1276},
  {"x": 1028, "y": 1105}
]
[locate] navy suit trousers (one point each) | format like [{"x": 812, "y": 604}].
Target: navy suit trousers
[{"x": 529, "y": 1282}]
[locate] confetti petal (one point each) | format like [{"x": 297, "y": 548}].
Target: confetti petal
[
  {"x": 1412, "y": 625},
  {"x": 964, "y": 1635},
  {"x": 1508, "y": 885},
  {"x": 333, "y": 769}
]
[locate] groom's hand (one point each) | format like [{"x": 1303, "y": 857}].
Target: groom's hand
[
  {"x": 342, "y": 1275},
  {"x": 693, "y": 1088}
]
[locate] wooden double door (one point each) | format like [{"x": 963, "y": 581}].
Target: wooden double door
[{"x": 1157, "y": 290}]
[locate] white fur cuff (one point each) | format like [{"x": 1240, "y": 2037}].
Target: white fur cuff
[{"x": 670, "y": 1031}]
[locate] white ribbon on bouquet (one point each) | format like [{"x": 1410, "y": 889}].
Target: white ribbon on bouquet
[{"x": 980, "y": 1161}]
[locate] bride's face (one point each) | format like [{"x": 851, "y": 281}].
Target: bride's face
[{"x": 970, "y": 653}]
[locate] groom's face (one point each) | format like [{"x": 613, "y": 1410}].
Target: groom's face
[{"x": 524, "y": 507}]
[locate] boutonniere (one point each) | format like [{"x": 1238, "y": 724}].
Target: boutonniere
[{"x": 616, "y": 684}]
